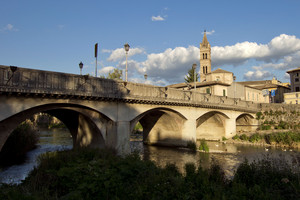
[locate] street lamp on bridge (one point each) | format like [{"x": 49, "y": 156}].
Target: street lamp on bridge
[
  {"x": 126, "y": 47},
  {"x": 194, "y": 68},
  {"x": 80, "y": 66}
]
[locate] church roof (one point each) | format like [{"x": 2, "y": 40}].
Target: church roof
[
  {"x": 219, "y": 70},
  {"x": 205, "y": 41}
]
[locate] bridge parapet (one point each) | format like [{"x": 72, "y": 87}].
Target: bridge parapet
[{"x": 23, "y": 81}]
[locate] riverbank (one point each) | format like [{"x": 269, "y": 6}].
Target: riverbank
[
  {"x": 94, "y": 174},
  {"x": 286, "y": 139}
]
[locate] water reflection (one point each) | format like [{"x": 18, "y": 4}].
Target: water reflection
[
  {"x": 227, "y": 155},
  {"x": 54, "y": 140}
]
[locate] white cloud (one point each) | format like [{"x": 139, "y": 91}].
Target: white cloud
[
  {"x": 210, "y": 32},
  {"x": 172, "y": 64},
  {"x": 257, "y": 75},
  {"x": 157, "y": 18},
  {"x": 119, "y": 54},
  {"x": 9, "y": 27},
  {"x": 106, "y": 70},
  {"x": 276, "y": 49}
]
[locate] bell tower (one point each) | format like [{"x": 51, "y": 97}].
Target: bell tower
[{"x": 205, "y": 58}]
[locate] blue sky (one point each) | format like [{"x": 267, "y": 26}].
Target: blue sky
[{"x": 254, "y": 39}]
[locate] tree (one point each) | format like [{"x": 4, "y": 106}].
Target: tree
[
  {"x": 115, "y": 74},
  {"x": 189, "y": 78}
]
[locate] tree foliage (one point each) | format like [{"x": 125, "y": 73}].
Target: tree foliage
[
  {"x": 114, "y": 74},
  {"x": 189, "y": 78}
]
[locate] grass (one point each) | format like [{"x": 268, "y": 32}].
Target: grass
[{"x": 95, "y": 174}]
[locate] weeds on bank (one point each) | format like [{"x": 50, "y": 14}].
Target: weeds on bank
[
  {"x": 285, "y": 138},
  {"x": 94, "y": 174},
  {"x": 203, "y": 146}
]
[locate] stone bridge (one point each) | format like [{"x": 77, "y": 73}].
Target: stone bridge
[{"x": 102, "y": 112}]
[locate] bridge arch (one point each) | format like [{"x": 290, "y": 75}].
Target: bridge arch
[
  {"x": 87, "y": 126},
  {"x": 245, "y": 122},
  {"x": 161, "y": 126},
  {"x": 211, "y": 125}
]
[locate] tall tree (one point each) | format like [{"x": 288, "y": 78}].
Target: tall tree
[
  {"x": 116, "y": 74},
  {"x": 189, "y": 78}
]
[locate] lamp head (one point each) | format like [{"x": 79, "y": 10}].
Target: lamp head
[{"x": 126, "y": 47}]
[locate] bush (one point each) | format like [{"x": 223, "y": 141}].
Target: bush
[
  {"x": 236, "y": 137},
  {"x": 244, "y": 137},
  {"x": 255, "y": 137},
  {"x": 267, "y": 127},
  {"x": 95, "y": 174},
  {"x": 203, "y": 146},
  {"x": 258, "y": 115}
]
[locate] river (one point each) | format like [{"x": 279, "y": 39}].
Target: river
[{"x": 229, "y": 156}]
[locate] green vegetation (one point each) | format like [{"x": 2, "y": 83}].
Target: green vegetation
[
  {"x": 259, "y": 115},
  {"x": 192, "y": 146},
  {"x": 23, "y": 139},
  {"x": 115, "y": 74},
  {"x": 284, "y": 138},
  {"x": 190, "y": 77},
  {"x": 138, "y": 128},
  {"x": 94, "y": 174},
  {"x": 203, "y": 146},
  {"x": 224, "y": 138}
]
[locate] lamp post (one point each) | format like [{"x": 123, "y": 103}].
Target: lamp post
[
  {"x": 194, "y": 68},
  {"x": 126, "y": 47},
  {"x": 234, "y": 78},
  {"x": 80, "y": 66}
]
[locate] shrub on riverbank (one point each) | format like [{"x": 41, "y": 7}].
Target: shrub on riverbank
[
  {"x": 23, "y": 139},
  {"x": 94, "y": 174},
  {"x": 279, "y": 138}
]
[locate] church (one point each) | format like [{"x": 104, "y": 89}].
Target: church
[{"x": 223, "y": 83}]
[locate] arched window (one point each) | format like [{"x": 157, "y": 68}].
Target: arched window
[
  {"x": 203, "y": 70},
  {"x": 205, "y": 55},
  {"x": 206, "y": 70}
]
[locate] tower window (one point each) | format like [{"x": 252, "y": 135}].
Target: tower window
[
  {"x": 203, "y": 70},
  {"x": 205, "y": 55},
  {"x": 296, "y": 79},
  {"x": 206, "y": 70}
]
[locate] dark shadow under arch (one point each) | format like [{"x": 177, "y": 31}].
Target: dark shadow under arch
[
  {"x": 211, "y": 125},
  {"x": 161, "y": 126}
]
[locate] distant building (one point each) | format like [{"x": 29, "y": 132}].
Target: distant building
[
  {"x": 220, "y": 82},
  {"x": 294, "y": 96},
  {"x": 273, "y": 90}
]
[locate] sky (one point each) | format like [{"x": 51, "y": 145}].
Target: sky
[{"x": 256, "y": 40}]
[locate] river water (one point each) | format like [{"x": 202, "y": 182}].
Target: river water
[{"x": 229, "y": 156}]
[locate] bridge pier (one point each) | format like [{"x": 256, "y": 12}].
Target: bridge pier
[
  {"x": 189, "y": 130},
  {"x": 122, "y": 139},
  {"x": 230, "y": 127}
]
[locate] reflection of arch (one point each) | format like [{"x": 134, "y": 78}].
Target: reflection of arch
[
  {"x": 244, "y": 122},
  {"x": 86, "y": 125},
  {"x": 161, "y": 126},
  {"x": 211, "y": 125}
]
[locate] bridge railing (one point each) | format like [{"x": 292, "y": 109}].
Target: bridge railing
[{"x": 22, "y": 80}]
